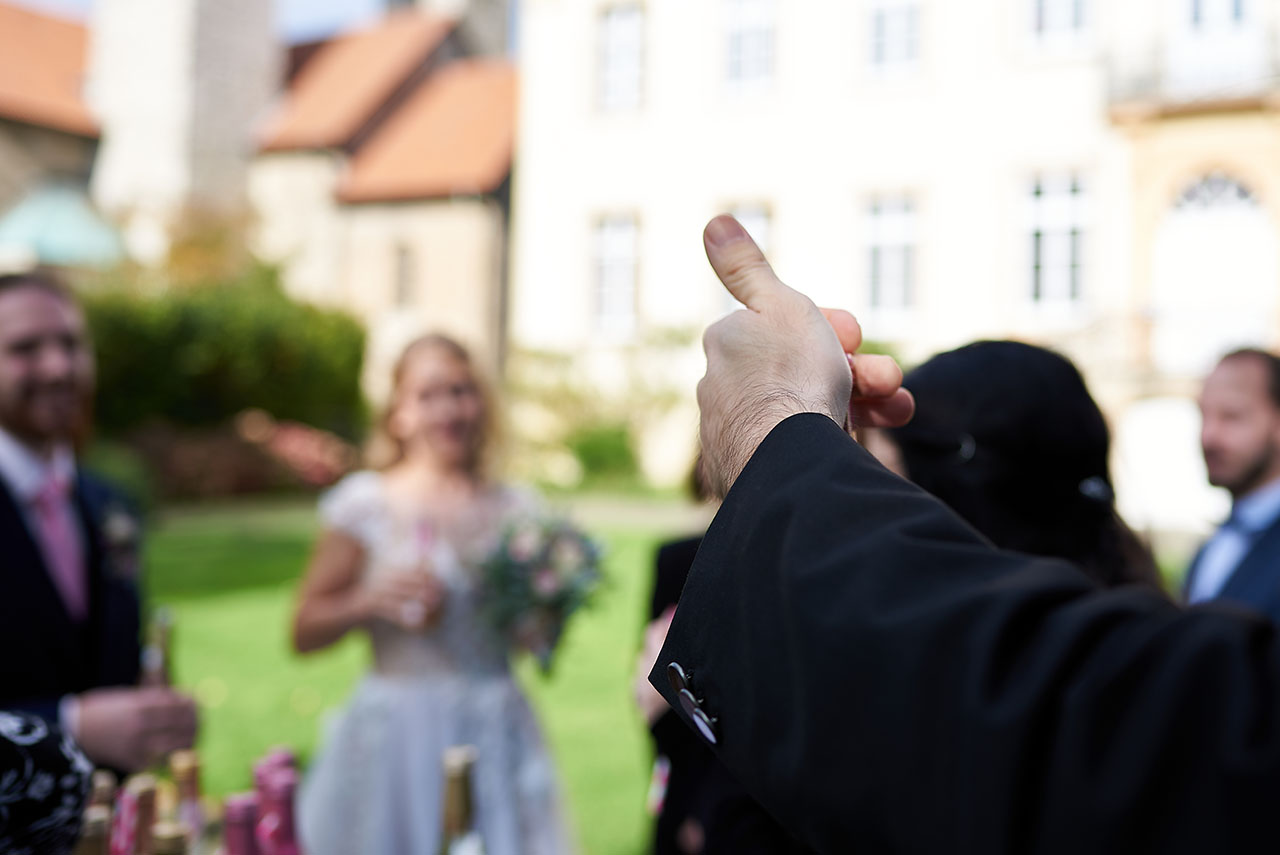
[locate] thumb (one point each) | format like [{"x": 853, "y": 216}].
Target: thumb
[{"x": 740, "y": 264}]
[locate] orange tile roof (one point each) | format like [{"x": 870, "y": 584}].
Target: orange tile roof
[
  {"x": 42, "y": 68},
  {"x": 338, "y": 91},
  {"x": 454, "y": 135}
]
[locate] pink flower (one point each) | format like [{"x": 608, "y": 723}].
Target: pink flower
[
  {"x": 546, "y": 583},
  {"x": 525, "y": 543}
]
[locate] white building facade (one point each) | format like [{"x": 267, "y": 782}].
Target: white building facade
[{"x": 1099, "y": 177}]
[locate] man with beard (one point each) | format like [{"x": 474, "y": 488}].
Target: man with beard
[
  {"x": 1240, "y": 437},
  {"x": 69, "y": 612}
]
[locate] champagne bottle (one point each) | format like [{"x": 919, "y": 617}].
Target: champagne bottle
[
  {"x": 276, "y": 758},
  {"x": 169, "y": 838},
  {"x": 460, "y": 836},
  {"x": 275, "y": 831},
  {"x": 95, "y": 836},
  {"x": 239, "y": 815},
  {"x": 145, "y": 787},
  {"x": 103, "y": 790},
  {"x": 157, "y": 657},
  {"x": 134, "y": 816},
  {"x": 185, "y": 766}
]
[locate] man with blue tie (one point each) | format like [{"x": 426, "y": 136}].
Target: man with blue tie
[
  {"x": 1240, "y": 437},
  {"x": 69, "y": 615}
]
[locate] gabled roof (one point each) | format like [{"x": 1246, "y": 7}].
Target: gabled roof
[
  {"x": 349, "y": 80},
  {"x": 455, "y": 135},
  {"x": 42, "y": 70}
]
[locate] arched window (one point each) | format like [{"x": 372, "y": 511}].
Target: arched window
[
  {"x": 1215, "y": 190},
  {"x": 1214, "y": 276}
]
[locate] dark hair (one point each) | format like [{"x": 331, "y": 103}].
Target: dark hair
[
  {"x": 1269, "y": 361},
  {"x": 1008, "y": 436},
  {"x": 43, "y": 280}
]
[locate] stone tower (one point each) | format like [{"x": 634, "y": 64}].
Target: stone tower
[
  {"x": 180, "y": 88},
  {"x": 485, "y": 24}
]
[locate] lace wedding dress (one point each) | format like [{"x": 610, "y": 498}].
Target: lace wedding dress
[{"x": 377, "y": 786}]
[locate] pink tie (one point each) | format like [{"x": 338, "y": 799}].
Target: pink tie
[{"x": 61, "y": 545}]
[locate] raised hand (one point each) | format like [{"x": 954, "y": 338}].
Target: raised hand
[{"x": 779, "y": 357}]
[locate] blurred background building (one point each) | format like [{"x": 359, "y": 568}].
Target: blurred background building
[
  {"x": 372, "y": 166},
  {"x": 1103, "y": 178}
]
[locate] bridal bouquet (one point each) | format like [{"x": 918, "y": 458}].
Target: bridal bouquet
[{"x": 542, "y": 571}]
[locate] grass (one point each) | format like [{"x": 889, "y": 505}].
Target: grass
[{"x": 229, "y": 576}]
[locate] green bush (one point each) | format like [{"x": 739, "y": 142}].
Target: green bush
[
  {"x": 124, "y": 468},
  {"x": 196, "y": 356},
  {"x": 605, "y": 452}
]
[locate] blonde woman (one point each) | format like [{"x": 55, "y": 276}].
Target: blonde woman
[{"x": 398, "y": 559}]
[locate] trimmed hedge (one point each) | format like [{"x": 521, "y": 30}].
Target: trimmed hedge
[{"x": 196, "y": 356}]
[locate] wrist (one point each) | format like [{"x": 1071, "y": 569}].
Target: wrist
[
  {"x": 741, "y": 445},
  {"x": 69, "y": 716}
]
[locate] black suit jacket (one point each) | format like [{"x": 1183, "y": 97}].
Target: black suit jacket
[
  {"x": 690, "y": 760},
  {"x": 883, "y": 680},
  {"x": 44, "y": 655},
  {"x": 699, "y": 786},
  {"x": 1255, "y": 582}
]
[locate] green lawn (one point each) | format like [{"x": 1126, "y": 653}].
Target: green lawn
[{"x": 229, "y": 575}]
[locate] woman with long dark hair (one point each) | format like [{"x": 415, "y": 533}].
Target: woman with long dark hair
[{"x": 1009, "y": 437}]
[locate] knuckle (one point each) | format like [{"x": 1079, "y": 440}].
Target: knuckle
[{"x": 746, "y": 267}]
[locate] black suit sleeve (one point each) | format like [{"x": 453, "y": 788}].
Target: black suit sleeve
[
  {"x": 884, "y": 680},
  {"x": 671, "y": 569}
]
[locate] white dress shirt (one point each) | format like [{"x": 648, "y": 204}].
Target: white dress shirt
[
  {"x": 26, "y": 472},
  {"x": 1250, "y": 516}
]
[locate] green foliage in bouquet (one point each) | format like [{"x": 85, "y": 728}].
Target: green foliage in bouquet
[
  {"x": 542, "y": 571},
  {"x": 196, "y": 355}
]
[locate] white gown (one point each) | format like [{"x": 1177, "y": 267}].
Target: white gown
[{"x": 377, "y": 786}]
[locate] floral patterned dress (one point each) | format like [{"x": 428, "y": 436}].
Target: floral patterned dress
[
  {"x": 377, "y": 787},
  {"x": 44, "y": 781}
]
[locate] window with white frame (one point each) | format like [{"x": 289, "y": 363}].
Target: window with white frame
[
  {"x": 1057, "y": 226},
  {"x": 895, "y": 33},
  {"x": 1058, "y": 20},
  {"x": 1217, "y": 47},
  {"x": 616, "y": 254},
  {"x": 621, "y": 45},
  {"x": 750, "y": 48},
  {"x": 891, "y": 252},
  {"x": 1214, "y": 14},
  {"x": 405, "y": 271},
  {"x": 757, "y": 219}
]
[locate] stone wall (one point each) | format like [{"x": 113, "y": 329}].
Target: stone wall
[{"x": 30, "y": 156}]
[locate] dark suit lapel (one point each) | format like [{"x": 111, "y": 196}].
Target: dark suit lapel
[
  {"x": 94, "y": 565},
  {"x": 20, "y": 550},
  {"x": 26, "y": 583},
  {"x": 111, "y": 631},
  {"x": 1256, "y": 580}
]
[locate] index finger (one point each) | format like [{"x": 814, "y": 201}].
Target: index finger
[{"x": 740, "y": 264}]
